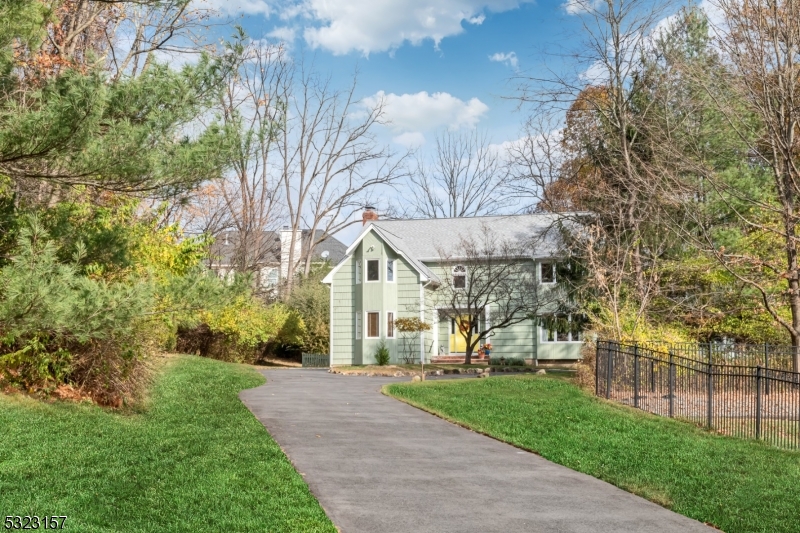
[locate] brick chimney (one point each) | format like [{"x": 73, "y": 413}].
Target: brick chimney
[{"x": 368, "y": 215}]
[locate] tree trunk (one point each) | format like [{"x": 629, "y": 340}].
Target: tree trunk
[{"x": 794, "y": 289}]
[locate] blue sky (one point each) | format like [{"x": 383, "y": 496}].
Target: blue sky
[
  {"x": 437, "y": 64},
  {"x": 431, "y": 58}
]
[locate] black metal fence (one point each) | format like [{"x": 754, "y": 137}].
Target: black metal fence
[
  {"x": 766, "y": 355},
  {"x": 739, "y": 400},
  {"x": 316, "y": 360}
]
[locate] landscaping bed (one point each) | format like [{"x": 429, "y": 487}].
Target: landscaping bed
[
  {"x": 192, "y": 459},
  {"x": 739, "y": 486},
  {"x": 433, "y": 370}
]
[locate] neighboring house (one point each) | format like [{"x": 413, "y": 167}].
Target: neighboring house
[
  {"x": 392, "y": 268},
  {"x": 273, "y": 254}
]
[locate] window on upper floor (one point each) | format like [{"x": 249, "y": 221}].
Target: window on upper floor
[
  {"x": 547, "y": 272},
  {"x": 459, "y": 277},
  {"x": 390, "y": 270},
  {"x": 272, "y": 277},
  {"x": 373, "y": 269}
]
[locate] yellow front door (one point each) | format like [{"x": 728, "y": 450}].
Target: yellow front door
[{"x": 459, "y": 326}]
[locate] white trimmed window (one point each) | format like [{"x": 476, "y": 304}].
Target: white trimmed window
[
  {"x": 459, "y": 277},
  {"x": 373, "y": 269},
  {"x": 271, "y": 278},
  {"x": 390, "y": 270},
  {"x": 561, "y": 328},
  {"x": 547, "y": 272},
  {"x": 358, "y": 325},
  {"x": 373, "y": 324},
  {"x": 390, "y": 324}
]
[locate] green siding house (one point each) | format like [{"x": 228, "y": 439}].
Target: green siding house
[{"x": 392, "y": 269}]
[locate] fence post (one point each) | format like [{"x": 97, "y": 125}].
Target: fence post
[
  {"x": 758, "y": 402},
  {"x": 671, "y": 381},
  {"x": 766, "y": 367},
  {"x": 710, "y": 388},
  {"x": 636, "y": 374},
  {"x": 652, "y": 375},
  {"x": 609, "y": 362},
  {"x": 597, "y": 368}
]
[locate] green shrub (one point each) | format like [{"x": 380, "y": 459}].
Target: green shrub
[
  {"x": 238, "y": 331},
  {"x": 311, "y": 299},
  {"x": 506, "y": 361},
  {"x": 382, "y": 354},
  {"x": 59, "y": 326}
]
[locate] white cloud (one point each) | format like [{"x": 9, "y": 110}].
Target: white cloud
[
  {"x": 425, "y": 112},
  {"x": 509, "y": 59},
  {"x": 283, "y": 34},
  {"x": 578, "y": 7},
  {"x": 236, "y": 7},
  {"x": 410, "y": 139},
  {"x": 712, "y": 9},
  {"x": 367, "y": 26},
  {"x": 595, "y": 74}
]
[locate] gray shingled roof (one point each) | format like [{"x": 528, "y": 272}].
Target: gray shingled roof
[
  {"x": 398, "y": 244},
  {"x": 427, "y": 239}
]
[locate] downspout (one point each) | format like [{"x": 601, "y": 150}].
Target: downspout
[
  {"x": 422, "y": 287},
  {"x": 330, "y": 326}
]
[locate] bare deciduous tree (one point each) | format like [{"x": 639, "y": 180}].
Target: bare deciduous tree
[
  {"x": 253, "y": 105},
  {"x": 331, "y": 162},
  {"x": 465, "y": 178},
  {"x": 588, "y": 148}
]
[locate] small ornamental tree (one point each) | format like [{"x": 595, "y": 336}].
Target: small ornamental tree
[{"x": 410, "y": 330}]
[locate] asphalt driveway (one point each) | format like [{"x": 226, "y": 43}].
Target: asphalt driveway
[{"x": 378, "y": 465}]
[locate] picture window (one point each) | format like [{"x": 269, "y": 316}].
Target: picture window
[{"x": 561, "y": 328}]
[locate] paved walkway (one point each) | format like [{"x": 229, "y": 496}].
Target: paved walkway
[{"x": 378, "y": 465}]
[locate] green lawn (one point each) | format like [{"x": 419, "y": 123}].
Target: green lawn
[
  {"x": 737, "y": 485},
  {"x": 194, "y": 460}
]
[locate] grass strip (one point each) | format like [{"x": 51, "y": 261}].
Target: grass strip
[
  {"x": 737, "y": 485},
  {"x": 194, "y": 460}
]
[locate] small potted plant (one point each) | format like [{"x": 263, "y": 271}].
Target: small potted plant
[{"x": 487, "y": 349}]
